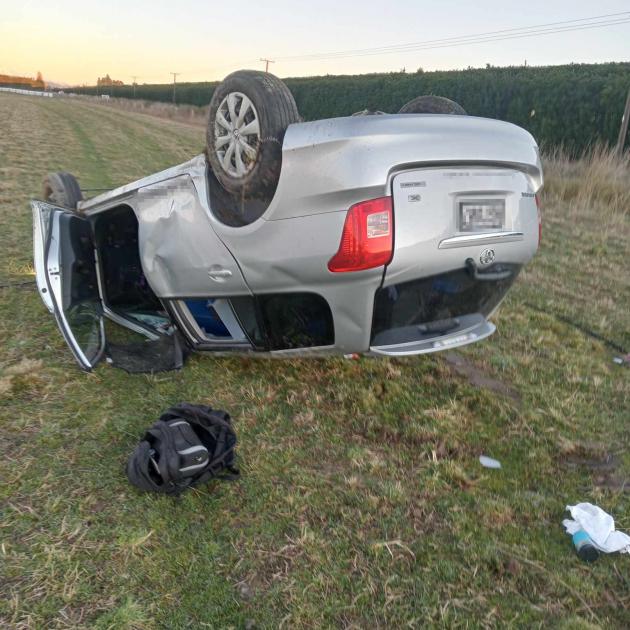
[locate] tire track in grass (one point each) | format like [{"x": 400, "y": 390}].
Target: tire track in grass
[
  {"x": 145, "y": 146},
  {"x": 177, "y": 131},
  {"x": 34, "y": 142},
  {"x": 162, "y": 146},
  {"x": 94, "y": 169},
  {"x": 130, "y": 148},
  {"x": 100, "y": 148}
]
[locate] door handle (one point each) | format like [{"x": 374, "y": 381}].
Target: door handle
[{"x": 219, "y": 274}]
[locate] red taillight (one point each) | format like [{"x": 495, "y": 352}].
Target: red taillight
[
  {"x": 368, "y": 237},
  {"x": 538, "y": 205}
]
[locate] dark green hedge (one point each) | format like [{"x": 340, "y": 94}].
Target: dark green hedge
[{"x": 572, "y": 105}]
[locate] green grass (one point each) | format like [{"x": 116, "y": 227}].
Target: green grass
[{"x": 362, "y": 502}]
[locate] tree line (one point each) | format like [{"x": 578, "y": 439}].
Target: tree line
[{"x": 571, "y": 105}]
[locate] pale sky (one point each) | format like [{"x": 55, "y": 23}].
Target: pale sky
[{"x": 75, "y": 41}]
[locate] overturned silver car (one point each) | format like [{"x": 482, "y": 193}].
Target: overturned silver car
[{"x": 377, "y": 234}]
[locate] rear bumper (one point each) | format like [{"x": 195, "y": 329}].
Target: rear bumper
[
  {"x": 438, "y": 312},
  {"x": 472, "y": 328}
]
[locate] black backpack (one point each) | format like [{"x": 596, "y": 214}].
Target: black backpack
[{"x": 188, "y": 445}]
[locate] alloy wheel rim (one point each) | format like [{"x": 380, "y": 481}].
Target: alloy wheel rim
[{"x": 236, "y": 134}]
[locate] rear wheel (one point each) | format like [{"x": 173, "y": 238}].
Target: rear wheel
[
  {"x": 430, "y": 104},
  {"x": 249, "y": 115},
  {"x": 62, "y": 189}
]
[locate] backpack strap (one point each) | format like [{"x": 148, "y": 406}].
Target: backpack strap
[{"x": 144, "y": 472}]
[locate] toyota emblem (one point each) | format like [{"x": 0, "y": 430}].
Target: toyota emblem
[{"x": 486, "y": 257}]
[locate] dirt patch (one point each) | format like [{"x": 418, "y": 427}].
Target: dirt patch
[
  {"x": 612, "y": 481},
  {"x": 475, "y": 376},
  {"x": 595, "y": 457},
  {"x": 604, "y": 468},
  {"x": 606, "y": 463}
]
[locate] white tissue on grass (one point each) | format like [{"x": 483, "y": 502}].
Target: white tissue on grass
[
  {"x": 599, "y": 525},
  {"x": 488, "y": 462}
]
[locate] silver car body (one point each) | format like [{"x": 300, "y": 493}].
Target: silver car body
[{"x": 427, "y": 163}]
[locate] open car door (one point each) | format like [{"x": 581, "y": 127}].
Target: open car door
[{"x": 67, "y": 280}]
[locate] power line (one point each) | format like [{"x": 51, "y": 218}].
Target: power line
[
  {"x": 537, "y": 30},
  {"x": 489, "y": 36},
  {"x": 135, "y": 80},
  {"x": 499, "y": 39},
  {"x": 460, "y": 39},
  {"x": 549, "y": 28}
]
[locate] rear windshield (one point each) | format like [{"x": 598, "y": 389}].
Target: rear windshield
[{"x": 439, "y": 298}]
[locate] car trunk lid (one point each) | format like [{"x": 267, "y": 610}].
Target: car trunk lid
[
  {"x": 462, "y": 234},
  {"x": 444, "y": 216}
]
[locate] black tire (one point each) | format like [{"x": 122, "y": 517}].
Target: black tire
[
  {"x": 432, "y": 105},
  {"x": 275, "y": 109},
  {"x": 62, "y": 189}
]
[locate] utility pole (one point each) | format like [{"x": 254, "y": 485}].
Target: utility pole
[
  {"x": 175, "y": 75},
  {"x": 135, "y": 78},
  {"x": 267, "y": 62},
  {"x": 623, "y": 130}
]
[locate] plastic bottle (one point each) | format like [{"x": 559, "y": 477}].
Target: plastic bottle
[{"x": 584, "y": 546}]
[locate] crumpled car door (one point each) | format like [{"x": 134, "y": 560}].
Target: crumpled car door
[{"x": 67, "y": 279}]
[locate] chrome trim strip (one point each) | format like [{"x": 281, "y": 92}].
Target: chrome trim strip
[
  {"x": 436, "y": 344},
  {"x": 466, "y": 240}
]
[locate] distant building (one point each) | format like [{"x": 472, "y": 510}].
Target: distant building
[
  {"x": 23, "y": 82},
  {"x": 107, "y": 81}
]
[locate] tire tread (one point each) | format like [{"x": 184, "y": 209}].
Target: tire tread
[{"x": 276, "y": 110}]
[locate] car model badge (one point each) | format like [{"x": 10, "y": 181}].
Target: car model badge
[
  {"x": 486, "y": 257},
  {"x": 413, "y": 184}
]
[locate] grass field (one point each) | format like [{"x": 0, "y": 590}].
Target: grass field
[{"x": 362, "y": 502}]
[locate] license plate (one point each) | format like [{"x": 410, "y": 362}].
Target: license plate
[{"x": 484, "y": 215}]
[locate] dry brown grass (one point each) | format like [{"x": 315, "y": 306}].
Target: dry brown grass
[
  {"x": 188, "y": 114},
  {"x": 597, "y": 179}
]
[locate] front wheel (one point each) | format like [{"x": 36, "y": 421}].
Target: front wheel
[{"x": 249, "y": 115}]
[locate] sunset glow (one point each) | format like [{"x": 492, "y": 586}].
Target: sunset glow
[{"x": 75, "y": 42}]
